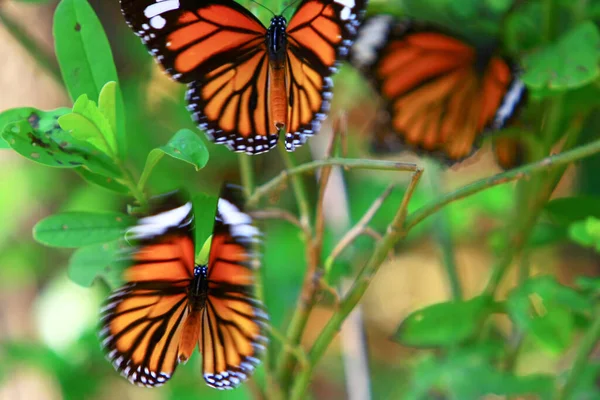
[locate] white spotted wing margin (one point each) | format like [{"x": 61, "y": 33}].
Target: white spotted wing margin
[{"x": 232, "y": 290}]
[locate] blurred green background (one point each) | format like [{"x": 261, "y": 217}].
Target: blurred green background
[{"x": 49, "y": 348}]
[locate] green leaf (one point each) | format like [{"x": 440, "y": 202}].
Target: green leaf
[
  {"x": 107, "y": 105},
  {"x": 545, "y": 234},
  {"x": 87, "y": 123},
  {"x": 573, "y": 61},
  {"x": 204, "y": 223},
  {"x": 105, "y": 182},
  {"x": 75, "y": 229},
  {"x": 40, "y": 139},
  {"x": 15, "y": 115},
  {"x": 566, "y": 210},
  {"x": 444, "y": 324},
  {"x": 544, "y": 308},
  {"x": 469, "y": 373},
  {"x": 586, "y": 233},
  {"x": 185, "y": 145},
  {"x": 85, "y": 57},
  {"x": 97, "y": 261}
]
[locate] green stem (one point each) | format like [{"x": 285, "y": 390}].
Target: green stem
[
  {"x": 443, "y": 234},
  {"x": 509, "y": 176},
  {"x": 247, "y": 173},
  {"x": 297, "y": 184},
  {"x": 588, "y": 343},
  {"x": 394, "y": 233},
  {"x": 384, "y": 165},
  {"x": 32, "y": 47}
]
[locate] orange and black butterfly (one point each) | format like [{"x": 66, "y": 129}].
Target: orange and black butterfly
[
  {"x": 441, "y": 93},
  {"x": 246, "y": 81},
  {"x": 169, "y": 304}
]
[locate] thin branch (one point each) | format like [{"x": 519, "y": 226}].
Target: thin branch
[
  {"x": 384, "y": 165},
  {"x": 588, "y": 343},
  {"x": 509, "y": 176},
  {"x": 246, "y": 173},
  {"x": 394, "y": 233},
  {"x": 278, "y": 213},
  {"x": 297, "y": 185},
  {"x": 358, "y": 229}
]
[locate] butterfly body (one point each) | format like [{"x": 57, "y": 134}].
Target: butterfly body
[
  {"x": 198, "y": 289},
  {"x": 246, "y": 82}
]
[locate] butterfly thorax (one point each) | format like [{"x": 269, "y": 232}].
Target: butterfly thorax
[
  {"x": 277, "y": 42},
  {"x": 198, "y": 290}
]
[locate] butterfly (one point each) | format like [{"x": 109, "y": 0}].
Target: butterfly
[
  {"x": 441, "y": 93},
  {"x": 169, "y": 304},
  {"x": 247, "y": 82}
]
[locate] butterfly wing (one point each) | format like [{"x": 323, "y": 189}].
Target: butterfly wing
[
  {"x": 234, "y": 320},
  {"x": 218, "y": 48},
  {"x": 319, "y": 36},
  {"x": 141, "y": 321},
  {"x": 441, "y": 92}
]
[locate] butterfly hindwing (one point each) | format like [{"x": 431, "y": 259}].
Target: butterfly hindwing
[{"x": 232, "y": 348}]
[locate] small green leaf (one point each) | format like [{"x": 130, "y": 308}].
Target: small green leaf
[
  {"x": 105, "y": 182},
  {"x": 586, "y": 233},
  {"x": 204, "y": 224},
  {"x": 545, "y": 234},
  {"x": 75, "y": 229},
  {"x": 40, "y": 139},
  {"x": 97, "y": 261},
  {"x": 545, "y": 309},
  {"x": 566, "y": 210},
  {"x": 185, "y": 145},
  {"x": 87, "y": 123},
  {"x": 573, "y": 61},
  {"x": 444, "y": 324},
  {"x": 107, "y": 104}
]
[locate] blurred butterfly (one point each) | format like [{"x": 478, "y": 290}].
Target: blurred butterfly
[
  {"x": 169, "y": 304},
  {"x": 441, "y": 93},
  {"x": 246, "y": 81}
]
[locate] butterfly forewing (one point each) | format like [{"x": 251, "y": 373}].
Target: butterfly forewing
[{"x": 319, "y": 35}]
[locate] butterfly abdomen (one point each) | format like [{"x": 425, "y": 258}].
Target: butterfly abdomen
[{"x": 277, "y": 49}]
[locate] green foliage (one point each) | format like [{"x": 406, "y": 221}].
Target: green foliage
[
  {"x": 557, "y": 43},
  {"x": 75, "y": 229},
  {"x": 468, "y": 373},
  {"x": 545, "y": 309},
  {"x": 586, "y": 233},
  {"x": 573, "y": 61},
  {"x": 445, "y": 324}
]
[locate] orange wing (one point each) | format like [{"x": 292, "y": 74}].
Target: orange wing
[
  {"x": 319, "y": 36},
  {"x": 218, "y": 48},
  {"x": 234, "y": 320},
  {"x": 441, "y": 92},
  {"x": 141, "y": 321}
]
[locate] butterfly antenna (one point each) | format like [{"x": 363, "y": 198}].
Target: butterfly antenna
[
  {"x": 266, "y": 8},
  {"x": 289, "y": 5}
]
